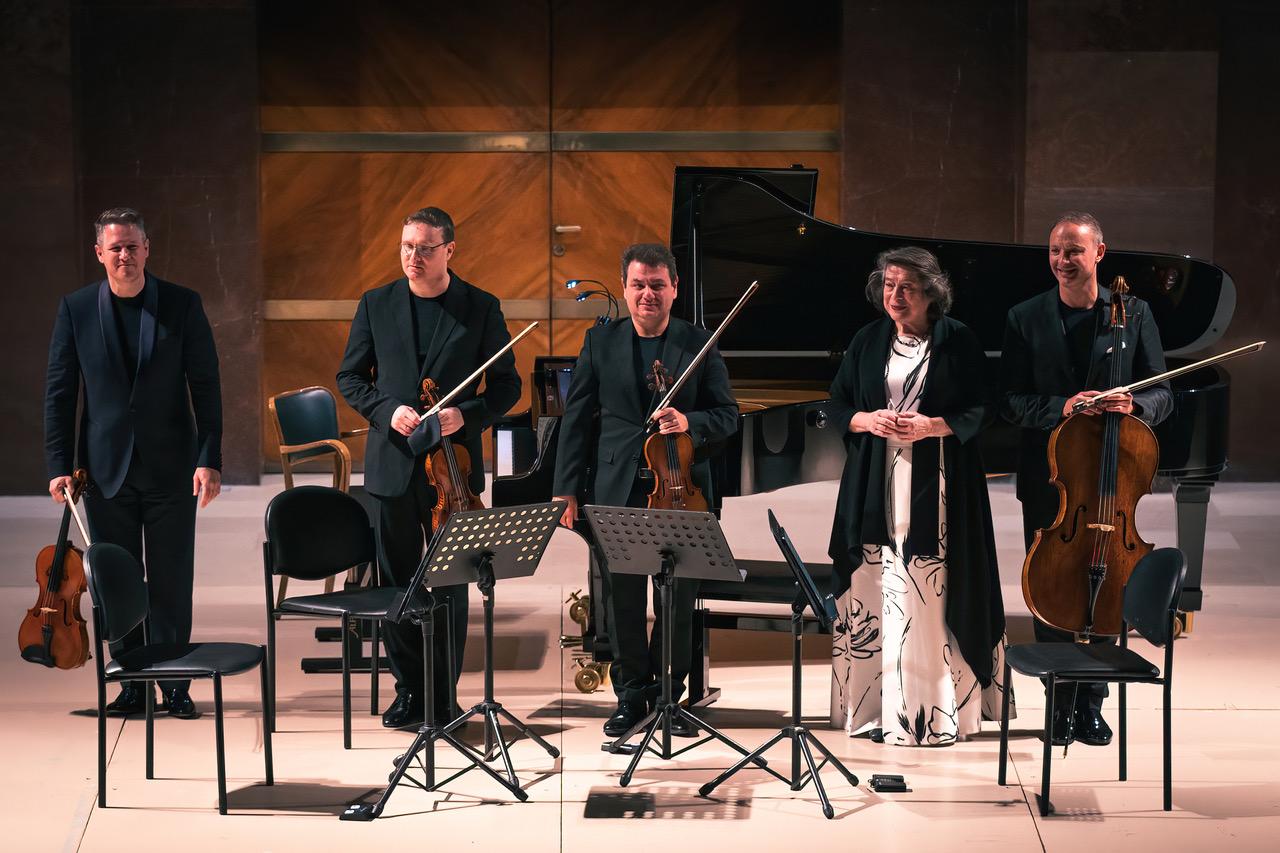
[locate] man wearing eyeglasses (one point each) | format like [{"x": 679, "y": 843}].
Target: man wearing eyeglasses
[{"x": 428, "y": 324}]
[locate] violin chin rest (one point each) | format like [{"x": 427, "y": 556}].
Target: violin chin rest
[{"x": 37, "y": 654}]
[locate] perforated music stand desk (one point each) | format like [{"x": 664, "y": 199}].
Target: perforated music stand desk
[
  {"x": 666, "y": 544},
  {"x": 475, "y": 546},
  {"x": 807, "y": 595}
]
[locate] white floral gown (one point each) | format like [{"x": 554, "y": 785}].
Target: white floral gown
[{"x": 895, "y": 663}]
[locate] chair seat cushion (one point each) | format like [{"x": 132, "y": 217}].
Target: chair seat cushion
[
  {"x": 1080, "y": 661},
  {"x": 186, "y": 660},
  {"x": 360, "y": 603}
]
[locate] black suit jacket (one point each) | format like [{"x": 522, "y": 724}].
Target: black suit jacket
[
  {"x": 1037, "y": 378},
  {"x": 380, "y": 373},
  {"x": 172, "y": 409},
  {"x": 604, "y": 382}
]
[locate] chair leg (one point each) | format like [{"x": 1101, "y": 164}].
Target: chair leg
[
  {"x": 267, "y": 714},
  {"x": 151, "y": 730},
  {"x": 346, "y": 684},
  {"x": 269, "y": 667},
  {"x": 373, "y": 667},
  {"x": 102, "y": 743},
  {"x": 1168, "y": 743},
  {"x": 219, "y": 743},
  {"x": 1050, "y": 692},
  {"x": 1124, "y": 733},
  {"x": 1004, "y": 727}
]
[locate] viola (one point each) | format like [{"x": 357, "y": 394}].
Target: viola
[
  {"x": 448, "y": 470},
  {"x": 670, "y": 457},
  {"x": 1074, "y": 575},
  {"x": 53, "y": 633}
]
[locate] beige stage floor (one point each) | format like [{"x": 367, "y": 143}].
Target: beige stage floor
[{"x": 1226, "y": 719}]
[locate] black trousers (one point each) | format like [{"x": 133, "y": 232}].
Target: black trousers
[
  {"x": 1038, "y": 514},
  {"x": 404, "y": 527},
  {"x": 157, "y": 525},
  {"x": 636, "y": 670}
]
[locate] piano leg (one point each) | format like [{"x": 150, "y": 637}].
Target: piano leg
[{"x": 1191, "y": 503}]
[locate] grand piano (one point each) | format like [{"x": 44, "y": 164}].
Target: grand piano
[{"x": 732, "y": 226}]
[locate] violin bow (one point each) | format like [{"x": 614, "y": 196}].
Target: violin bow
[
  {"x": 706, "y": 348},
  {"x": 1168, "y": 374},
  {"x": 478, "y": 371}
]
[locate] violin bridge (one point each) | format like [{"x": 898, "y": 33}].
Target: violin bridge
[{"x": 1105, "y": 528}]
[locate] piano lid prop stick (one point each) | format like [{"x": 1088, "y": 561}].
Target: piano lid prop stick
[
  {"x": 1168, "y": 374},
  {"x": 479, "y": 370},
  {"x": 715, "y": 336}
]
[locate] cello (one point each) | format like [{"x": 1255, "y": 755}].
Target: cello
[
  {"x": 53, "y": 633},
  {"x": 1074, "y": 575}
]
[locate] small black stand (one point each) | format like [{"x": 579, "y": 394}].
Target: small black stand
[
  {"x": 801, "y": 738},
  {"x": 477, "y": 546},
  {"x": 666, "y": 544}
]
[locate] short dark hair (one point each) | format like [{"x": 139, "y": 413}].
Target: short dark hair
[
  {"x": 117, "y": 216},
  {"x": 435, "y": 218},
  {"x": 934, "y": 283},
  {"x": 651, "y": 255},
  {"x": 1081, "y": 218}
]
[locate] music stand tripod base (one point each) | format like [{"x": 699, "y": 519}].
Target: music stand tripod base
[
  {"x": 476, "y": 546},
  {"x": 667, "y": 544}
]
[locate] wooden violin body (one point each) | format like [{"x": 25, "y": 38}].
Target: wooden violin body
[
  {"x": 670, "y": 457},
  {"x": 53, "y": 633},
  {"x": 448, "y": 470}
]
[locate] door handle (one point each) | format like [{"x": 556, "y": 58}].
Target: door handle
[{"x": 567, "y": 229}]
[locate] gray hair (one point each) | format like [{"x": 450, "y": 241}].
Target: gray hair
[
  {"x": 650, "y": 255},
  {"x": 117, "y": 216},
  {"x": 934, "y": 283},
  {"x": 1081, "y": 218},
  {"x": 433, "y": 217}
]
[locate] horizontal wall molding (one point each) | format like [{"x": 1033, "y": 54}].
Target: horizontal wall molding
[
  {"x": 513, "y": 309},
  {"x": 657, "y": 140}
]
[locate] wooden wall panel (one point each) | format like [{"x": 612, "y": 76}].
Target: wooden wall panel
[
  {"x": 331, "y": 222},
  {"x": 394, "y": 66},
  {"x": 672, "y": 65},
  {"x": 624, "y": 198}
]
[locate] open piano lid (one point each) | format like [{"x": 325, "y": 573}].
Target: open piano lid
[{"x": 731, "y": 226}]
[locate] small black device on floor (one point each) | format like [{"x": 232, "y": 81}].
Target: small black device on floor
[{"x": 888, "y": 783}]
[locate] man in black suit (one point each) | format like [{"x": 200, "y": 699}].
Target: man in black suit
[
  {"x": 142, "y": 348},
  {"x": 1055, "y": 345},
  {"x": 611, "y": 379},
  {"x": 429, "y": 324}
]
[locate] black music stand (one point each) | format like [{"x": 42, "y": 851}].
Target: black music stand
[
  {"x": 476, "y": 546},
  {"x": 665, "y": 544},
  {"x": 801, "y": 738}
]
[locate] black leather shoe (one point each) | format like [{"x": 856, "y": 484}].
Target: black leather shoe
[
  {"x": 178, "y": 702},
  {"x": 1091, "y": 729},
  {"x": 1062, "y": 726},
  {"x": 406, "y": 710},
  {"x": 130, "y": 701},
  {"x": 681, "y": 727},
  {"x": 626, "y": 716}
]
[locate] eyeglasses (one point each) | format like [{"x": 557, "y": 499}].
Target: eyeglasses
[{"x": 420, "y": 250}]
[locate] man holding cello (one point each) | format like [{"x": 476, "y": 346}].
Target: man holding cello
[
  {"x": 1058, "y": 353},
  {"x": 615, "y": 378},
  {"x": 430, "y": 324}
]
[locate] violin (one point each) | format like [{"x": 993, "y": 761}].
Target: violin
[
  {"x": 448, "y": 470},
  {"x": 1074, "y": 575},
  {"x": 670, "y": 457},
  {"x": 53, "y": 633}
]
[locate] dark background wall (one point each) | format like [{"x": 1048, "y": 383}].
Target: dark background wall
[{"x": 973, "y": 120}]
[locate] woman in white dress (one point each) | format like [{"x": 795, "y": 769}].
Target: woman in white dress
[{"x": 919, "y": 638}]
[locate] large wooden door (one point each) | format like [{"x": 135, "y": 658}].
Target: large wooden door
[{"x": 517, "y": 120}]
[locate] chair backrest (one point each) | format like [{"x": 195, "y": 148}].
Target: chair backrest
[
  {"x": 1151, "y": 596},
  {"x": 306, "y": 415},
  {"x": 315, "y": 532},
  {"x": 118, "y": 589}
]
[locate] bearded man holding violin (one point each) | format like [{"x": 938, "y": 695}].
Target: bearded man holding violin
[
  {"x": 614, "y": 379},
  {"x": 1058, "y": 353},
  {"x": 428, "y": 324}
]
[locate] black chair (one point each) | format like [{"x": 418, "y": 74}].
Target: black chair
[
  {"x": 119, "y": 605},
  {"x": 1150, "y": 607},
  {"x": 314, "y": 532}
]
